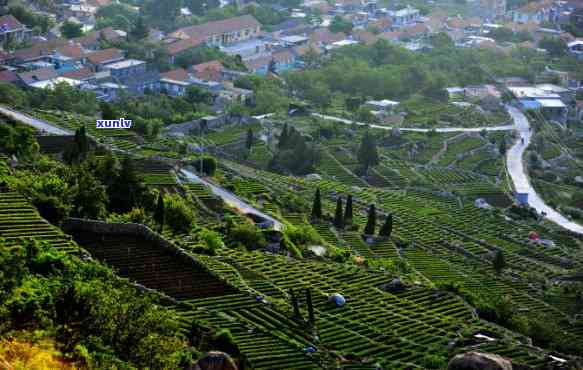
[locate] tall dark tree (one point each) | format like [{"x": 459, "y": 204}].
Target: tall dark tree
[
  {"x": 348, "y": 213},
  {"x": 502, "y": 147},
  {"x": 311, "y": 317},
  {"x": 250, "y": 140},
  {"x": 317, "y": 205},
  {"x": 139, "y": 29},
  {"x": 338, "y": 215},
  {"x": 283, "y": 137},
  {"x": 368, "y": 155},
  {"x": 371, "y": 222},
  {"x": 159, "y": 213},
  {"x": 499, "y": 262},
  {"x": 387, "y": 228},
  {"x": 128, "y": 189}
]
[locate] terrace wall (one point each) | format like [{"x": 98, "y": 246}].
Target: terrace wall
[{"x": 72, "y": 225}]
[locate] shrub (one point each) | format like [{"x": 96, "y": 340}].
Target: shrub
[
  {"x": 212, "y": 239},
  {"x": 177, "y": 213},
  {"x": 248, "y": 235}
]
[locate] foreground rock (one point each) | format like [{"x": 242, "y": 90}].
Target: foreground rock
[{"x": 479, "y": 361}]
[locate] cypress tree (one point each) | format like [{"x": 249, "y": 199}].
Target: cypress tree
[
  {"x": 387, "y": 228},
  {"x": 499, "y": 262},
  {"x": 348, "y": 211},
  {"x": 250, "y": 139},
  {"x": 338, "y": 216},
  {"x": 159, "y": 213},
  {"x": 367, "y": 153},
  {"x": 317, "y": 206},
  {"x": 371, "y": 223},
  {"x": 283, "y": 137},
  {"x": 311, "y": 318},
  {"x": 295, "y": 304}
]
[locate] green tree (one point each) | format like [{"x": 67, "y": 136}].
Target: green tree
[
  {"x": 250, "y": 139},
  {"x": 139, "y": 29},
  {"x": 90, "y": 196},
  {"x": 12, "y": 95},
  {"x": 317, "y": 206},
  {"x": 499, "y": 262},
  {"x": 339, "y": 24},
  {"x": 178, "y": 214},
  {"x": 367, "y": 152},
  {"x": 338, "y": 215},
  {"x": 283, "y": 137},
  {"x": 71, "y": 30},
  {"x": 159, "y": 213},
  {"x": 387, "y": 228},
  {"x": 348, "y": 213},
  {"x": 502, "y": 147},
  {"x": 128, "y": 189},
  {"x": 554, "y": 46},
  {"x": 371, "y": 221}
]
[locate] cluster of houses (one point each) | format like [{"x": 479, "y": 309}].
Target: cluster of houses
[{"x": 82, "y": 62}]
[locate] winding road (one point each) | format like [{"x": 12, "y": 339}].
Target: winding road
[
  {"x": 518, "y": 173},
  {"x": 231, "y": 199},
  {"x": 412, "y": 129},
  {"x": 514, "y": 162},
  {"x": 36, "y": 123}
]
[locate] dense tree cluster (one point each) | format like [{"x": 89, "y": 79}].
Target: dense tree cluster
[
  {"x": 295, "y": 153},
  {"x": 100, "y": 320}
]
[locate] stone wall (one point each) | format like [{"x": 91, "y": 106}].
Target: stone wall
[{"x": 73, "y": 225}]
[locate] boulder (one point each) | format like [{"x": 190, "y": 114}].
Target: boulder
[
  {"x": 479, "y": 361},
  {"x": 215, "y": 360}
]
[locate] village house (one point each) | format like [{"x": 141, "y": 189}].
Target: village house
[
  {"x": 209, "y": 71},
  {"x": 182, "y": 46},
  {"x": 134, "y": 75},
  {"x": 404, "y": 17},
  {"x": 43, "y": 74},
  {"x": 547, "y": 101},
  {"x": 538, "y": 12},
  {"x": 97, "y": 60},
  {"x": 493, "y": 9},
  {"x": 223, "y": 32},
  {"x": 12, "y": 31},
  {"x": 177, "y": 81}
]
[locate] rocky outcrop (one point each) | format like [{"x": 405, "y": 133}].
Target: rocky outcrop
[
  {"x": 479, "y": 361},
  {"x": 215, "y": 360}
]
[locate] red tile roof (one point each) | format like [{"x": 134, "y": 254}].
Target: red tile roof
[
  {"x": 80, "y": 74},
  {"x": 93, "y": 38},
  {"x": 325, "y": 36},
  {"x": 183, "y": 45},
  {"x": 8, "y": 76},
  {"x": 104, "y": 56},
  {"x": 41, "y": 74},
  {"x": 10, "y": 22},
  {"x": 219, "y": 27},
  {"x": 210, "y": 71},
  {"x": 71, "y": 51},
  {"x": 179, "y": 74}
]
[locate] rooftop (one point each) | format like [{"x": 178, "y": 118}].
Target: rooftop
[
  {"x": 125, "y": 64},
  {"x": 50, "y": 84}
]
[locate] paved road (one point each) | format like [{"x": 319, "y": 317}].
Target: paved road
[
  {"x": 517, "y": 171},
  {"x": 231, "y": 199},
  {"x": 444, "y": 129},
  {"x": 36, "y": 123}
]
